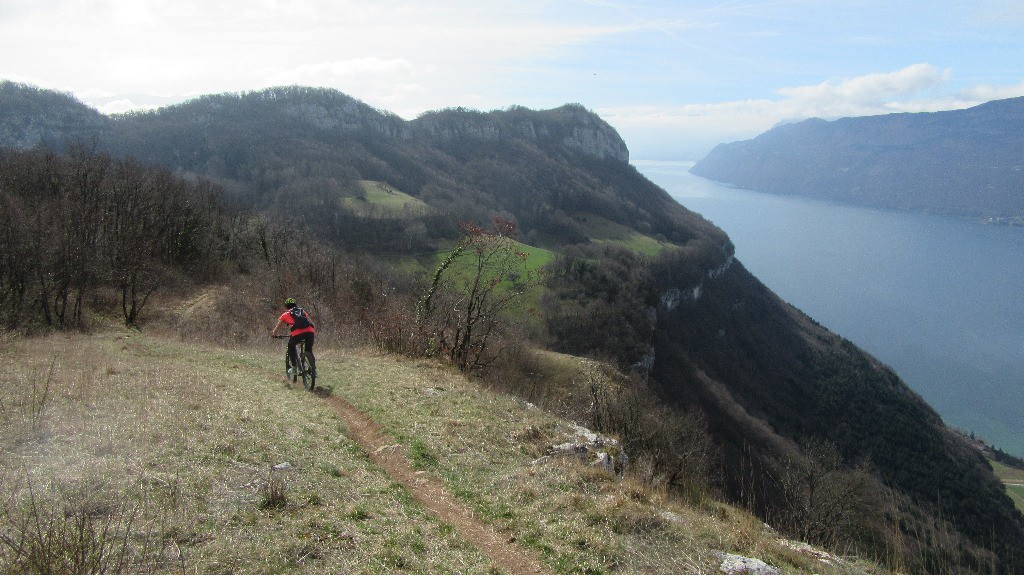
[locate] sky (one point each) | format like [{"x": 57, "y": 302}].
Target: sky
[{"x": 674, "y": 78}]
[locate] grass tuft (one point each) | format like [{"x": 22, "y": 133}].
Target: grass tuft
[
  {"x": 274, "y": 493},
  {"x": 422, "y": 458}
]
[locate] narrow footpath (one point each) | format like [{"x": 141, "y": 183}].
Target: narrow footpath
[{"x": 391, "y": 456}]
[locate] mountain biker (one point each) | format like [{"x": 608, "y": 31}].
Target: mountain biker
[{"x": 301, "y": 328}]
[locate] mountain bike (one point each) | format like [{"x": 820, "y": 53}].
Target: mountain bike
[{"x": 302, "y": 370}]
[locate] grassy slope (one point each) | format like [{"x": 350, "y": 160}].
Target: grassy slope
[
  {"x": 196, "y": 434},
  {"x": 383, "y": 197},
  {"x": 1014, "y": 480},
  {"x": 107, "y": 420},
  {"x": 1016, "y": 492},
  {"x": 605, "y": 231}
]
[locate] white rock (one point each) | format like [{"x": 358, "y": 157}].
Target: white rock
[{"x": 737, "y": 565}]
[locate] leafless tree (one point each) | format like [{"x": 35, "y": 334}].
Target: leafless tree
[
  {"x": 827, "y": 502},
  {"x": 475, "y": 286}
]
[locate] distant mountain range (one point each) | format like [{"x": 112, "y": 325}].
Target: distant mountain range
[
  {"x": 786, "y": 401},
  {"x": 963, "y": 162}
]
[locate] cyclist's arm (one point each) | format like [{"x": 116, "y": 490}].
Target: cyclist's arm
[{"x": 280, "y": 324}]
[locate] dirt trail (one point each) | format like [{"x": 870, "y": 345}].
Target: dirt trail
[{"x": 387, "y": 453}]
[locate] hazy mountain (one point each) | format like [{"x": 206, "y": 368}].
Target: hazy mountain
[
  {"x": 43, "y": 118},
  {"x": 779, "y": 391},
  {"x": 964, "y": 162}
]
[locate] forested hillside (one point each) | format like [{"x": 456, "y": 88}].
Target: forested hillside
[
  {"x": 724, "y": 388},
  {"x": 962, "y": 162}
]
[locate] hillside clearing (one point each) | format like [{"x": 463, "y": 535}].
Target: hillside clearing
[
  {"x": 1013, "y": 479},
  {"x": 1016, "y": 491},
  {"x": 382, "y": 197},
  {"x": 221, "y": 467},
  {"x": 602, "y": 230}
]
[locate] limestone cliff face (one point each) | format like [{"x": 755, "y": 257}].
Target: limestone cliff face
[
  {"x": 592, "y": 135},
  {"x": 343, "y": 115},
  {"x": 571, "y": 127},
  {"x": 597, "y": 142},
  {"x": 348, "y": 116}
]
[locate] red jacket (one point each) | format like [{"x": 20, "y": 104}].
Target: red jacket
[{"x": 288, "y": 319}]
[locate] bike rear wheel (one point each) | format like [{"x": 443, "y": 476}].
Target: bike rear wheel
[
  {"x": 304, "y": 368},
  {"x": 312, "y": 374}
]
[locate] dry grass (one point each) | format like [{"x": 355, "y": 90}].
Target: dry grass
[
  {"x": 181, "y": 442},
  {"x": 166, "y": 452},
  {"x": 580, "y": 518}
]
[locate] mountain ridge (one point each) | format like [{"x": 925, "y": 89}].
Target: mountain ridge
[{"x": 960, "y": 162}]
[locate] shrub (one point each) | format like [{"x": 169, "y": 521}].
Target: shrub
[{"x": 77, "y": 531}]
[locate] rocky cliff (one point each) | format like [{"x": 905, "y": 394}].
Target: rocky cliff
[{"x": 571, "y": 127}]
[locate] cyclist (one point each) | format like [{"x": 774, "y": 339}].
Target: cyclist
[{"x": 301, "y": 328}]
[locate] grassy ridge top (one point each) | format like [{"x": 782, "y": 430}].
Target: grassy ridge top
[{"x": 184, "y": 438}]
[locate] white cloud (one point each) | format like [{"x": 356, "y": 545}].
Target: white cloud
[
  {"x": 384, "y": 52},
  {"x": 689, "y": 130},
  {"x": 387, "y": 83},
  {"x": 636, "y": 63},
  {"x": 869, "y": 94},
  {"x": 985, "y": 93},
  {"x": 341, "y": 73},
  {"x": 122, "y": 105}
]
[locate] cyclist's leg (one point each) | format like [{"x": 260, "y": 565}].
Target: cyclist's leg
[
  {"x": 307, "y": 359},
  {"x": 310, "y": 338},
  {"x": 292, "y": 352},
  {"x": 304, "y": 364}
]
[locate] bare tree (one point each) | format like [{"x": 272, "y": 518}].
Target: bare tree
[
  {"x": 827, "y": 502},
  {"x": 476, "y": 285},
  {"x": 130, "y": 242}
]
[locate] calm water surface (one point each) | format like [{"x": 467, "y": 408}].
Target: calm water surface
[{"x": 937, "y": 298}]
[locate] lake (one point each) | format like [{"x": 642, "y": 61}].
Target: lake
[{"x": 936, "y": 298}]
